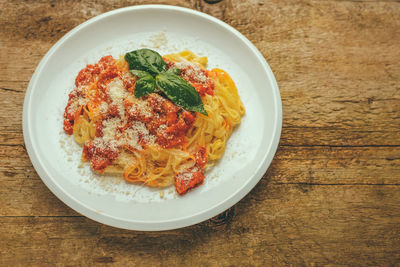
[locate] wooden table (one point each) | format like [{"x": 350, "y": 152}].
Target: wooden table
[{"x": 332, "y": 193}]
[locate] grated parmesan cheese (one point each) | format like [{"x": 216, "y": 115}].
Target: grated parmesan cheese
[
  {"x": 192, "y": 71},
  {"x": 185, "y": 177},
  {"x": 117, "y": 94},
  {"x": 103, "y": 107},
  {"x": 100, "y": 143},
  {"x": 132, "y": 135},
  {"x": 110, "y": 128},
  {"x": 159, "y": 40},
  {"x": 131, "y": 138},
  {"x": 142, "y": 108},
  {"x": 140, "y": 128},
  {"x": 162, "y": 128},
  {"x": 77, "y": 102}
]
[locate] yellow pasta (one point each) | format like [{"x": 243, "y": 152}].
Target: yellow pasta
[{"x": 127, "y": 136}]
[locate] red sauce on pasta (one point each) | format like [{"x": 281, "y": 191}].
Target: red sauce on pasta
[{"x": 164, "y": 120}]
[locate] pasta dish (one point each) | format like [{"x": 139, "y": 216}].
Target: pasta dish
[{"x": 159, "y": 121}]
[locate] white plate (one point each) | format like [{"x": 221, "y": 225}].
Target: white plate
[{"x": 109, "y": 201}]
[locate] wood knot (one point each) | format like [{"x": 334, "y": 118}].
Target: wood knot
[
  {"x": 212, "y": 1},
  {"x": 223, "y": 218}
]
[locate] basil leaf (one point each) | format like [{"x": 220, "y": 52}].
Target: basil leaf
[
  {"x": 145, "y": 85},
  {"x": 174, "y": 71},
  {"x": 139, "y": 73},
  {"x": 179, "y": 91},
  {"x": 146, "y": 60}
]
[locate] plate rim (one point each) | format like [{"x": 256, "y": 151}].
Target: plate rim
[{"x": 86, "y": 211}]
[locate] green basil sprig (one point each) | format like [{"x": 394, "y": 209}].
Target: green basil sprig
[
  {"x": 174, "y": 71},
  {"x": 152, "y": 74},
  {"x": 146, "y": 60},
  {"x": 146, "y": 83},
  {"x": 179, "y": 91}
]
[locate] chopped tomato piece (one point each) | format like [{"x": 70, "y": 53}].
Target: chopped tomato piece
[
  {"x": 201, "y": 157},
  {"x": 68, "y": 127},
  {"x": 188, "y": 180}
]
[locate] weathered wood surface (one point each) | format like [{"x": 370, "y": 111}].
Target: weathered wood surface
[{"x": 332, "y": 193}]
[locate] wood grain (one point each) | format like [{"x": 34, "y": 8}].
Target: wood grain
[
  {"x": 326, "y": 224},
  {"x": 331, "y": 194}
]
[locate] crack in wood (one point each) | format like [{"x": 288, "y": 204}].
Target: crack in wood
[
  {"x": 212, "y": 1},
  {"x": 392, "y": 158},
  {"x": 14, "y": 145},
  {"x": 10, "y": 90}
]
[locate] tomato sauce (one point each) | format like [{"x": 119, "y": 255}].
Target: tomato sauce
[
  {"x": 100, "y": 157},
  {"x": 193, "y": 177},
  {"x": 196, "y": 179},
  {"x": 101, "y": 73},
  {"x": 168, "y": 122},
  {"x": 197, "y": 77}
]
